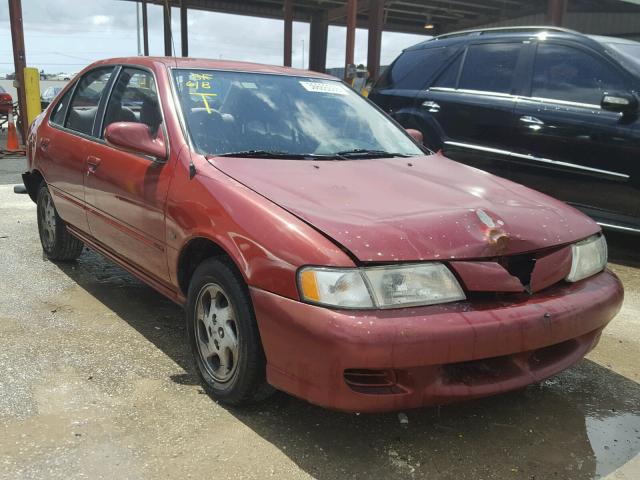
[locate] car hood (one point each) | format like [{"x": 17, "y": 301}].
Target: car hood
[{"x": 408, "y": 209}]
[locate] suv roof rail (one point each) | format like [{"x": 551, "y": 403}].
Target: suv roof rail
[{"x": 481, "y": 31}]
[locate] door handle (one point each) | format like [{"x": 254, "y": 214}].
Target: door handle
[
  {"x": 44, "y": 143},
  {"x": 531, "y": 120},
  {"x": 92, "y": 164},
  {"x": 432, "y": 107}
]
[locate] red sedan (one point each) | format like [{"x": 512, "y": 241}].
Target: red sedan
[
  {"x": 317, "y": 247},
  {"x": 6, "y": 102}
]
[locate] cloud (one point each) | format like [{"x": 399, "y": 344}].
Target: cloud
[{"x": 65, "y": 35}]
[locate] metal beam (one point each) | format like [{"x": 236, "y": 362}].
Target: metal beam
[
  {"x": 288, "y": 32},
  {"x": 352, "y": 18},
  {"x": 376, "y": 18},
  {"x": 319, "y": 32},
  {"x": 19, "y": 62},
  {"x": 556, "y": 10},
  {"x": 145, "y": 29},
  {"x": 166, "y": 15},
  {"x": 184, "y": 29}
]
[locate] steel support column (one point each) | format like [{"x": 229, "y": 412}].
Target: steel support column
[
  {"x": 319, "y": 33},
  {"x": 288, "y": 32},
  {"x": 352, "y": 17},
  {"x": 19, "y": 61},
  {"x": 166, "y": 9},
  {"x": 145, "y": 29},
  {"x": 556, "y": 10},
  {"x": 376, "y": 18},
  {"x": 184, "y": 29}
]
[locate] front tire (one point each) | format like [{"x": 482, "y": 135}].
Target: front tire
[
  {"x": 223, "y": 335},
  {"x": 57, "y": 243}
]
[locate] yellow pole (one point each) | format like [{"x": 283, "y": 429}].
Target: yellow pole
[{"x": 32, "y": 92}]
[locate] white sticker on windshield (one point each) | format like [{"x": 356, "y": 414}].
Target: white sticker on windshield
[
  {"x": 324, "y": 87},
  {"x": 250, "y": 85}
]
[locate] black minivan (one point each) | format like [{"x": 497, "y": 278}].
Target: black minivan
[{"x": 550, "y": 108}]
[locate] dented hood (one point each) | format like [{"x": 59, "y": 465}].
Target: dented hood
[{"x": 419, "y": 208}]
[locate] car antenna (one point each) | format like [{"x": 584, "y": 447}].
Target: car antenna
[{"x": 192, "y": 167}]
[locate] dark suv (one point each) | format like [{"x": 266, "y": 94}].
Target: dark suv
[{"x": 549, "y": 108}]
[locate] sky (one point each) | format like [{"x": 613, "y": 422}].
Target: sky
[{"x": 67, "y": 35}]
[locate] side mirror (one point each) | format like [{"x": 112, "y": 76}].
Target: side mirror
[
  {"x": 136, "y": 137},
  {"x": 619, "y": 102},
  {"x": 416, "y": 134}
]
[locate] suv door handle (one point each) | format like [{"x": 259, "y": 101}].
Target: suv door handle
[
  {"x": 432, "y": 107},
  {"x": 531, "y": 120},
  {"x": 92, "y": 164}
]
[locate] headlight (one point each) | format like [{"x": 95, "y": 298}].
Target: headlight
[
  {"x": 589, "y": 258},
  {"x": 379, "y": 287}
]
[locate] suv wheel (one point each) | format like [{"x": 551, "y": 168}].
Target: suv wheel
[
  {"x": 57, "y": 242},
  {"x": 223, "y": 335}
]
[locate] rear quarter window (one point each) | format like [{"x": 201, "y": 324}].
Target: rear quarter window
[{"x": 413, "y": 69}]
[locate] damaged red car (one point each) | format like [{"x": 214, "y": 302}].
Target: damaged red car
[{"x": 316, "y": 246}]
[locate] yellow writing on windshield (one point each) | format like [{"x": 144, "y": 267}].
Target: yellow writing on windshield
[{"x": 199, "y": 85}]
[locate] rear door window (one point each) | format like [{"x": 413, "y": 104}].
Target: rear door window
[
  {"x": 490, "y": 67},
  {"x": 86, "y": 100},
  {"x": 57, "y": 116},
  {"x": 565, "y": 73},
  {"x": 415, "y": 68}
]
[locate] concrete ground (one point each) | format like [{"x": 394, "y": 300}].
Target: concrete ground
[{"x": 97, "y": 382}]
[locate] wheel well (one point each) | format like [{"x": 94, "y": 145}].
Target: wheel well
[
  {"x": 192, "y": 255},
  {"x": 32, "y": 181}
]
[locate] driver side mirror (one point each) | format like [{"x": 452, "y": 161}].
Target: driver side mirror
[
  {"x": 416, "y": 134},
  {"x": 619, "y": 102},
  {"x": 137, "y": 138}
]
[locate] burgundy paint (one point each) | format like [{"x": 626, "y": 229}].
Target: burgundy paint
[
  {"x": 385, "y": 210},
  {"x": 551, "y": 268},
  {"x": 486, "y": 277},
  {"x": 136, "y": 138}
]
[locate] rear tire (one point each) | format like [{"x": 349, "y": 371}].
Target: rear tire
[
  {"x": 57, "y": 243},
  {"x": 223, "y": 335}
]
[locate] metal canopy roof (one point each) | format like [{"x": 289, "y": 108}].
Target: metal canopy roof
[{"x": 408, "y": 16}]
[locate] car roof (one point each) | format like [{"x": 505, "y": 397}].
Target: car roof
[
  {"x": 511, "y": 33},
  {"x": 211, "y": 64}
]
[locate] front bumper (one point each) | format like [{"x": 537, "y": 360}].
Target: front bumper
[{"x": 369, "y": 361}]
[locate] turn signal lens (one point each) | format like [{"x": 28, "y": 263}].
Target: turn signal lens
[{"x": 589, "y": 258}]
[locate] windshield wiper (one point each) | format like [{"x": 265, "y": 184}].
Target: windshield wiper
[
  {"x": 274, "y": 154},
  {"x": 365, "y": 153}
]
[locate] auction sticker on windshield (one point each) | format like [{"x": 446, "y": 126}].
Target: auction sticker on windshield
[{"x": 328, "y": 87}]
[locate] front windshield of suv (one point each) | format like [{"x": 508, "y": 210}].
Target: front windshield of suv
[
  {"x": 266, "y": 115},
  {"x": 630, "y": 53}
]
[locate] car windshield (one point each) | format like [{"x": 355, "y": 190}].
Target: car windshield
[
  {"x": 2, "y": 89},
  {"x": 280, "y": 116},
  {"x": 628, "y": 53}
]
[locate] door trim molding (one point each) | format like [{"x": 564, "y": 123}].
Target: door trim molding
[{"x": 547, "y": 161}]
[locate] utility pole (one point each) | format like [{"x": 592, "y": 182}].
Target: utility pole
[{"x": 19, "y": 61}]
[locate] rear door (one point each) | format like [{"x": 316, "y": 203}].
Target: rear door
[
  {"x": 63, "y": 143},
  {"x": 567, "y": 145},
  {"x": 472, "y": 103}
]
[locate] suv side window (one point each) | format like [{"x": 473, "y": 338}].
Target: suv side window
[
  {"x": 134, "y": 99},
  {"x": 449, "y": 77},
  {"x": 414, "y": 68},
  {"x": 565, "y": 73},
  {"x": 85, "y": 102},
  {"x": 58, "y": 113},
  {"x": 490, "y": 67}
]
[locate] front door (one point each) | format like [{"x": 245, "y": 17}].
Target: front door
[
  {"x": 567, "y": 145},
  {"x": 126, "y": 192}
]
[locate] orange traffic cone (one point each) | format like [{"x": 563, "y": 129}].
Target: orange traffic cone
[{"x": 12, "y": 135}]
